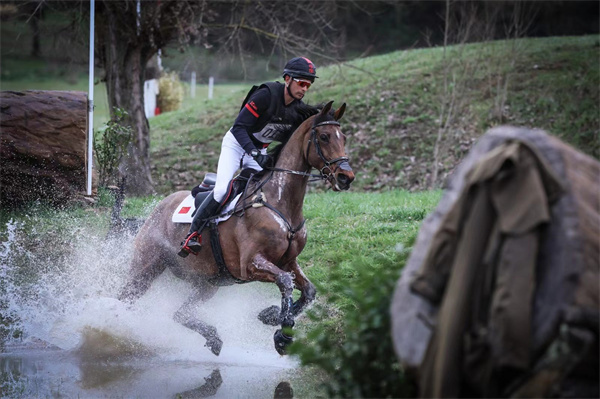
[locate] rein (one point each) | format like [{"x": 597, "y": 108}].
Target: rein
[{"x": 326, "y": 173}]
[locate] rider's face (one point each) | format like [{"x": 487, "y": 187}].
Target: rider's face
[{"x": 298, "y": 87}]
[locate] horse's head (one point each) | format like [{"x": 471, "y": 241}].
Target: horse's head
[{"x": 325, "y": 148}]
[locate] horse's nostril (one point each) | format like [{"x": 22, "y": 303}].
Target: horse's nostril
[{"x": 344, "y": 180}]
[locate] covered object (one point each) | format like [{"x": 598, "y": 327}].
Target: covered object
[{"x": 500, "y": 297}]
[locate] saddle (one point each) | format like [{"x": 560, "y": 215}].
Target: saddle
[
  {"x": 236, "y": 187},
  {"x": 186, "y": 210}
]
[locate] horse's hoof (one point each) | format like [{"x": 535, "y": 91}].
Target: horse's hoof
[
  {"x": 282, "y": 341},
  {"x": 214, "y": 344},
  {"x": 270, "y": 316}
]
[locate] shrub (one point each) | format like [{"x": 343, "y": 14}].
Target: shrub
[
  {"x": 355, "y": 348},
  {"x": 110, "y": 146},
  {"x": 170, "y": 92}
]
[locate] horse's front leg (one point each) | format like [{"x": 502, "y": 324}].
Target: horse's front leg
[
  {"x": 307, "y": 290},
  {"x": 272, "y": 315},
  {"x": 266, "y": 271}
]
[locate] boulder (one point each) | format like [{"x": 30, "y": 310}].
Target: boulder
[{"x": 43, "y": 147}]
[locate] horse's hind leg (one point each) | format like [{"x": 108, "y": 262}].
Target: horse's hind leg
[
  {"x": 141, "y": 277},
  {"x": 185, "y": 316}
]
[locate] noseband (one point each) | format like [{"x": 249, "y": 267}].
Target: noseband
[{"x": 326, "y": 171}]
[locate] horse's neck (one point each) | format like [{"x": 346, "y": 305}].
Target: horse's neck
[{"x": 288, "y": 189}]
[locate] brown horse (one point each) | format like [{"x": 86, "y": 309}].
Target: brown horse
[{"x": 262, "y": 244}]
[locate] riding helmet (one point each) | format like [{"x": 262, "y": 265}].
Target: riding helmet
[{"x": 300, "y": 67}]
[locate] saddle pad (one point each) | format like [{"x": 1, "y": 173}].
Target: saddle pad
[{"x": 183, "y": 212}]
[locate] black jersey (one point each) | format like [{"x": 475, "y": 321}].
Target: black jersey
[{"x": 264, "y": 116}]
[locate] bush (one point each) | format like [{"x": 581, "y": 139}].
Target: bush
[
  {"x": 170, "y": 92},
  {"x": 355, "y": 348},
  {"x": 110, "y": 146}
]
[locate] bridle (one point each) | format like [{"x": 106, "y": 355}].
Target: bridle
[
  {"x": 337, "y": 162},
  {"x": 326, "y": 172}
]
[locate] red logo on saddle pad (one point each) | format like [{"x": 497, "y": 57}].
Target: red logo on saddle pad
[{"x": 185, "y": 209}]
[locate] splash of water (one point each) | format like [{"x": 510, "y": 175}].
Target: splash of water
[{"x": 63, "y": 295}]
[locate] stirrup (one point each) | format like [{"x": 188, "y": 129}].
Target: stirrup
[{"x": 191, "y": 248}]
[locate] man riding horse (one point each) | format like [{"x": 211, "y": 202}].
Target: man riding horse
[{"x": 258, "y": 123}]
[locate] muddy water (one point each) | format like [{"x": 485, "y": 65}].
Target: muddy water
[{"x": 79, "y": 341}]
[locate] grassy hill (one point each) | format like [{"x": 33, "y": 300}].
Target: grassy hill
[{"x": 398, "y": 101}]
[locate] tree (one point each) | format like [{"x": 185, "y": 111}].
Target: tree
[{"x": 130, "y": 32}]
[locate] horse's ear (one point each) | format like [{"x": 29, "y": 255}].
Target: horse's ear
[
  {"x": 339, "y": 112},
  {"x": 326, "y": 108}
]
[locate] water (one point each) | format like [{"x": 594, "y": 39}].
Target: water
[{"x": 72, "y": 338}]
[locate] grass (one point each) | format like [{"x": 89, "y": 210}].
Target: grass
[
  {"x": 342, "y": 228},
  {"x": 394, "y": 103}
]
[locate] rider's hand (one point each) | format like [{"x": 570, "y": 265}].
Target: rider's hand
[{"x": 265, "y": 161}]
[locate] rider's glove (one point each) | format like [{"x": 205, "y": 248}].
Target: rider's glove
[{"x": 265, "y": 161}]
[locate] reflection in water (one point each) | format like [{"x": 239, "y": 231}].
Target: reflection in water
[
  {"x": 283, "y": 391},
  {"x": 209, "y": 388},
  {"x": 56, "y": 373},
  {"x": 99, "y": 375},
  {"x": 11, "y": 382}
]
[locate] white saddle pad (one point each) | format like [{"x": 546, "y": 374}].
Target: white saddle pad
[{"x": 183, "y": 212}]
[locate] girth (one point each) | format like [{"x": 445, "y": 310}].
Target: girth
[{"x": 224, "y": 276}]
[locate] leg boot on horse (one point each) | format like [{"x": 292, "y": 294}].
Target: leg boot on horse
[{"x": 192, "y": 244}]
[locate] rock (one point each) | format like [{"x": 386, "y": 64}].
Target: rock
[{"x": 43, "y": 146}]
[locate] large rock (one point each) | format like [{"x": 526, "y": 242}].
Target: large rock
[{"x": 43, "y": 146}]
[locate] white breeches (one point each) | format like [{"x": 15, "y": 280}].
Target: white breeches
[{"x": 229, "y": 163}]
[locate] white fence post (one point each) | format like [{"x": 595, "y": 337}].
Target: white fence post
[
  {"x": 193, "y": 85},
  {"x": 211, "y": 84},
  {"x": 90, "y": 157}
]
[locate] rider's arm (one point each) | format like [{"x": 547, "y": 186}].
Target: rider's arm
[{"x": 257, "y": 105}]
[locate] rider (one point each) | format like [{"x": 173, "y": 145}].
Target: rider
[{"x": 245, "y": 144}]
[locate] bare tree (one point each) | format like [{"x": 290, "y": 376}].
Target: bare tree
[
  {"x": 468, "y": 22},
  {"x": 130, "y": 32}
]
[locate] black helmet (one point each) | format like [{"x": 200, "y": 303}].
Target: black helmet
[{"x": 300, "y": 67}]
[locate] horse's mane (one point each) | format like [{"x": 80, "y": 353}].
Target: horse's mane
[{"x": 303, "y": 112}]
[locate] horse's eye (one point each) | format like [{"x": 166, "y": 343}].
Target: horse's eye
[{"x": 324, "y": 137}]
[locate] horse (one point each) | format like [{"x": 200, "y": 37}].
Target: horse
[{"x": 262, "y": 244}]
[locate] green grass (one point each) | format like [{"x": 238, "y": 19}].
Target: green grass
[
  {"x": 342, "y": 228},
  {"x": 393, "y": 109}
]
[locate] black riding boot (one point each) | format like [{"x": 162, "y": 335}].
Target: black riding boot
[{"x": 207, "y": 209}]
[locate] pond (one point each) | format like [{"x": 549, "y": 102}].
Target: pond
[{"x": 79, "y": 341}]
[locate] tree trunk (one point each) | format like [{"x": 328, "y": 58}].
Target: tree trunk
[
  {"x": 34, "y": 23},
  {"x": 124, "y": 62},
  {"x": 43, "y": 146}
]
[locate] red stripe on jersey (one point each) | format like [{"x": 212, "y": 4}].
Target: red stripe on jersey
[{"x": 253, "y": 112}]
